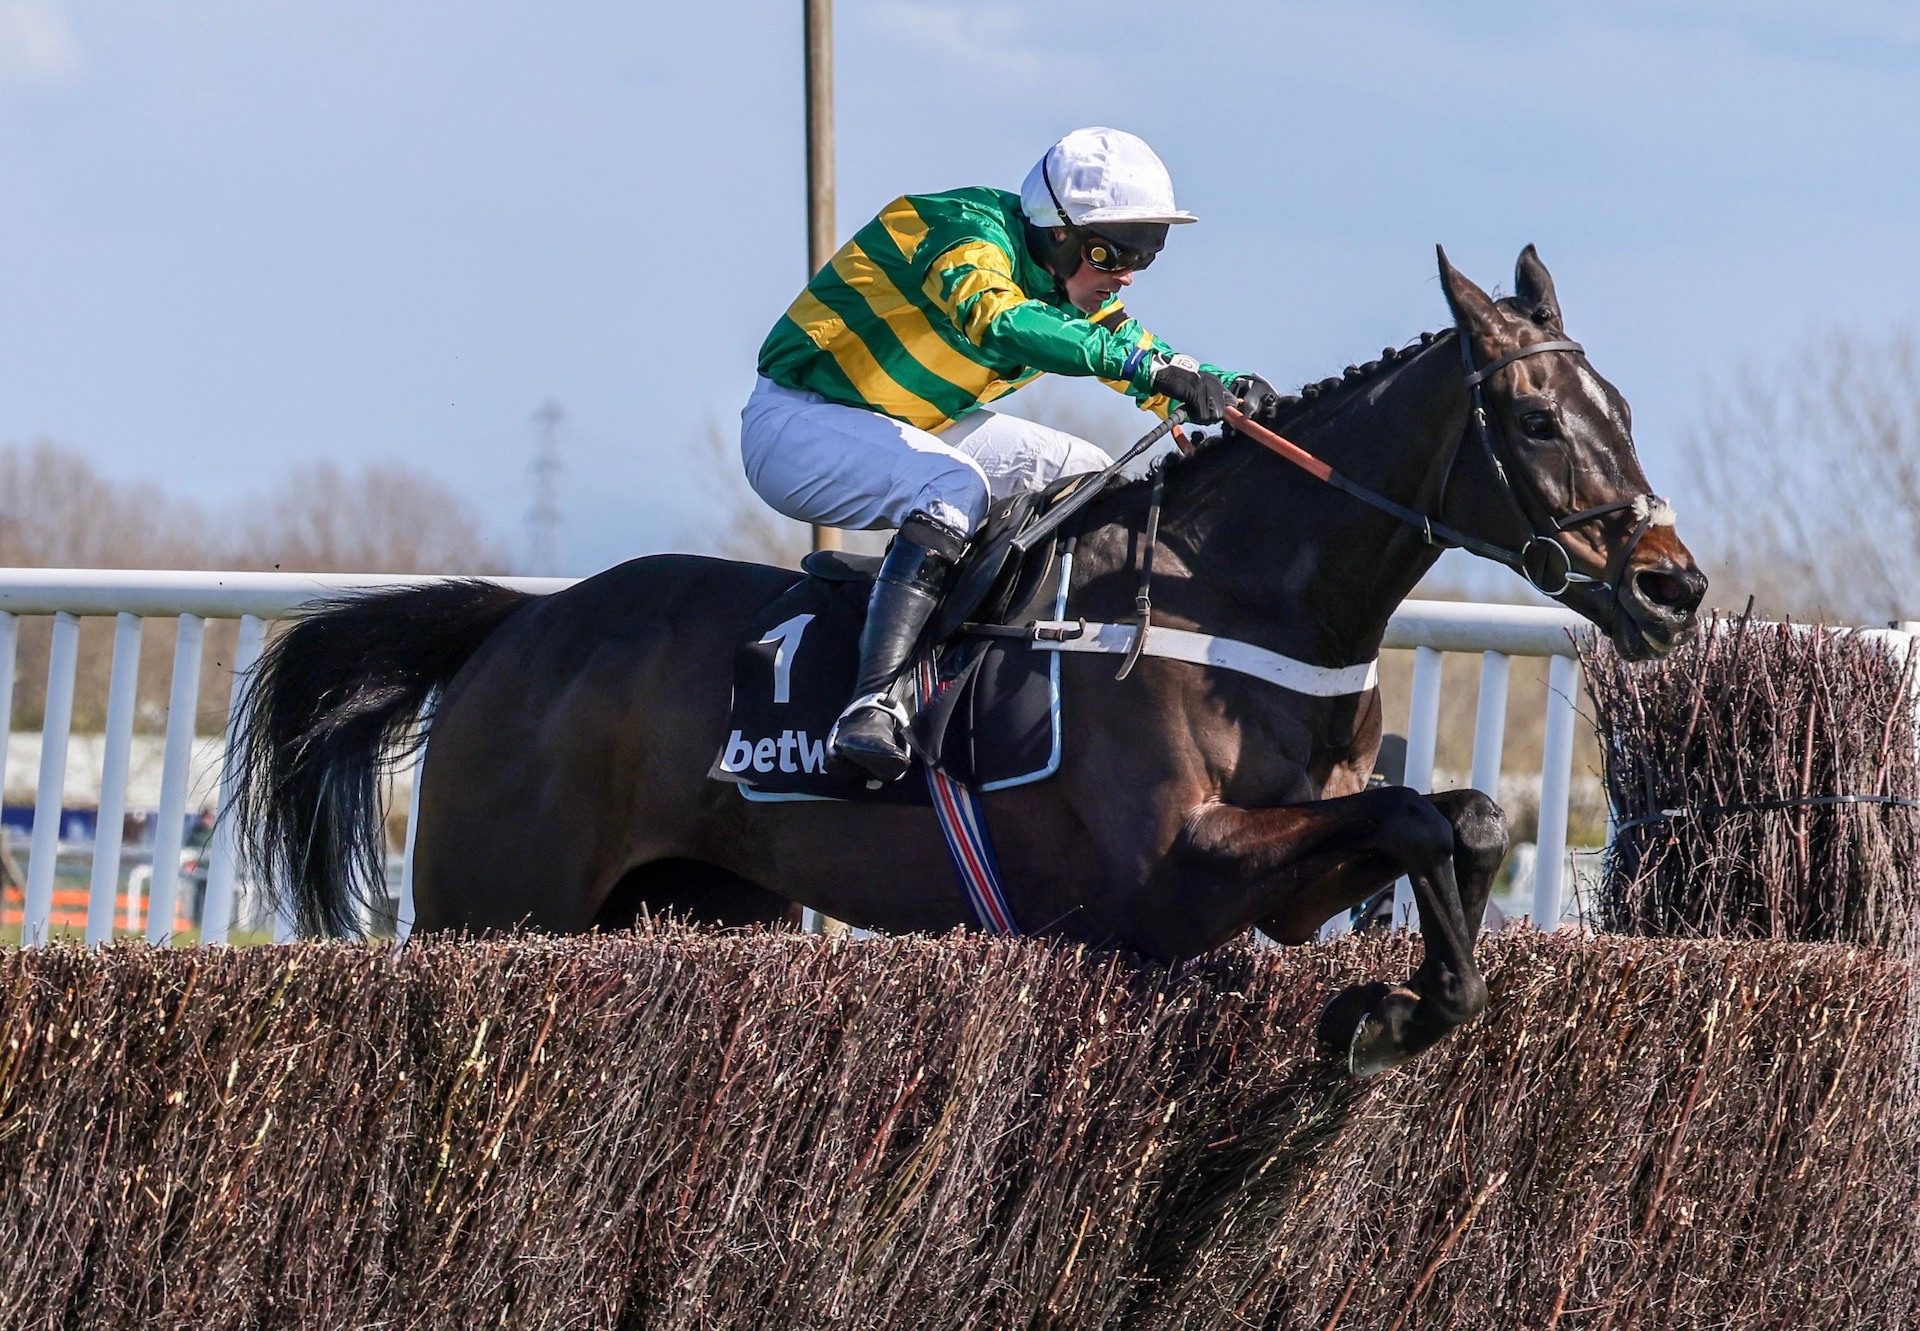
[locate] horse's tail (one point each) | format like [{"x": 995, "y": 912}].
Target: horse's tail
[{"x": 331, "y": 706}]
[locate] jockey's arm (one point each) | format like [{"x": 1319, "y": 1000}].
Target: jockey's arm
[
  {"x": 974, "y": 285},
  {"x": 1130, "y": 331}
]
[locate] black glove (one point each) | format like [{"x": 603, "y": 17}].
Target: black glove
[
  {"x": 1205, "y": 397},
  {"x": 1256, "y": 395}
]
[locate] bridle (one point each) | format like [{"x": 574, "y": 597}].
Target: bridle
[
  {"x": 1556, "y": 576},
  {"x": 1540, "y": 559}
]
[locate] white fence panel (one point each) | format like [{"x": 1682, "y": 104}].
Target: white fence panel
[
  {"x": 9, "y": 648},
  {"x": 185, "y": 774},
  {"x": 1490, "y": 720},
  {"x": 53, "y": 776},
  {"x": 1423, "y": 736},
  {"x": 1556, "y": 778},
  {"x": 170, "y": 831}
]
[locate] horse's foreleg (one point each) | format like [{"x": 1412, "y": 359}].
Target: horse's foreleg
[
  {"x": 1379, "y": 1026},
  {"x": 1313, "y": 858},
  {"x": 1479, "y": 847}
]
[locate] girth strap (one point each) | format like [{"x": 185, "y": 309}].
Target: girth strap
[{"x": 1078, "y": 635}]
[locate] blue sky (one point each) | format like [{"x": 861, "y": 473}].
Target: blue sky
[{"x": 238, "y": 236}]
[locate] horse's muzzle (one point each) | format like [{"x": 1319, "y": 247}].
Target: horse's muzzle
[{"x": 1659, "y": 596}]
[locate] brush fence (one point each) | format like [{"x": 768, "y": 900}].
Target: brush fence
[{"x": 681, "y": 1131}]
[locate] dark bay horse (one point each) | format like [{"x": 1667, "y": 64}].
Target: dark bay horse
[{"x": 566, "y": 784}]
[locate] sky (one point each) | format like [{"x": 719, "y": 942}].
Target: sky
[{"x": 239, "y": 236}]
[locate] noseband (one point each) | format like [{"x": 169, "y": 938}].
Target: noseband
[{"x": 1541, "y": 559}]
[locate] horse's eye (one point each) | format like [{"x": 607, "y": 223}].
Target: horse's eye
[{"x": 1539, "y": 425}]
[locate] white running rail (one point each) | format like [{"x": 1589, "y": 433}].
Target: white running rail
[{"x": 1431, "y": 628}]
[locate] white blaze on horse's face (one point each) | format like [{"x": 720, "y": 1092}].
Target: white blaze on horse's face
[{"x": 1576, "y": 431}]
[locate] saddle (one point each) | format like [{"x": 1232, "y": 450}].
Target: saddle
[{"x": 986, "y": 711}]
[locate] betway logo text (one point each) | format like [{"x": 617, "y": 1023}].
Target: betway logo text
[{"x": 790, "y": 751}]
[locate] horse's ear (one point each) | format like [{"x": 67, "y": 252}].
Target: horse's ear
[
  {"x": 1472, "y": 308},
  {"x": 1533, "y": 288}
]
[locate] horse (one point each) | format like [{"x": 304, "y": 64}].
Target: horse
[{"x": 565, "y": 785}]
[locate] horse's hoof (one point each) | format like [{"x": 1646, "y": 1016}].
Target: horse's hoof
[
  {"x": 1346, "y": 1012},
  {"x": 1372, "y": 1049},
  {"x": 1362, "y": 1024}
]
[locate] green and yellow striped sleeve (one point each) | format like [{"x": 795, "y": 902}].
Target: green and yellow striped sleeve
[{"x": 973, "y": 285}]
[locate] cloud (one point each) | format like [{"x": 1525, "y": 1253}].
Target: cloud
[
  {"x": 968, "y": 38},
  {"x": 37, "y": 44}
]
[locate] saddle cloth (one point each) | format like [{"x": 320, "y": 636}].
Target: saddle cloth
[{"x": 990, "y": 718}]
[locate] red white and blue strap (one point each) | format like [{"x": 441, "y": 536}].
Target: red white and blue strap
[{"x": 964, "y": 822}]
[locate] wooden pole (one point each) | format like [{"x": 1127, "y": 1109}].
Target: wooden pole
[
  {"x": 820, "y": 237},
  {"x": 819, "y": 23}
]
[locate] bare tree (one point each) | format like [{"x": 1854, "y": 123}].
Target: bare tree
[
  {"x": 1812, "y": 465},
  {"x": 56, "y": 511},
  {"x": 379, "y": 518}
]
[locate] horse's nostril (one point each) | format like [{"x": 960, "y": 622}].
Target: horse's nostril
[{"x": 1674, "y": 591}]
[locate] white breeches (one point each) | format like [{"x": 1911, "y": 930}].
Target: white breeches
[{"x": 817, "y": 461}]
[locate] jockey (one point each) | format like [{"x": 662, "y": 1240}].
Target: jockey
[{"x": 869, "y": 409}]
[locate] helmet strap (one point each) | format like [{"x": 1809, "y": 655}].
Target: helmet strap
[{"x": 1046, "y": 178}]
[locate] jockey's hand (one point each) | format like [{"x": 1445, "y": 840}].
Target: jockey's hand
[
  {"x": 1205, "y": 398},
  {"x": 1256, "y": 394}
]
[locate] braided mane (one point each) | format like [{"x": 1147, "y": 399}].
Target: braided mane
[{"x": 1287, "y": 410}]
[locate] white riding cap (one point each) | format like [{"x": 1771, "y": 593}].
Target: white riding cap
[{"x": 1100, "y": 175}]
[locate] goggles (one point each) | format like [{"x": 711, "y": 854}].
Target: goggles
[{"x": 1113, "y": 253}]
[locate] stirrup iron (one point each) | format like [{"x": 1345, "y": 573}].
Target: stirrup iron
[
  {"x": 877, "y": 701},
  {"x": 881, "y": 757}
]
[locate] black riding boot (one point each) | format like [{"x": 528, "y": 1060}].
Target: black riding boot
[{"x": 872, "y": 732}]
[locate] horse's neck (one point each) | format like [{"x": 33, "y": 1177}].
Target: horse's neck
[
  {"x": 1399, "y": 440},
  {"x": 1258, "y": 549}
]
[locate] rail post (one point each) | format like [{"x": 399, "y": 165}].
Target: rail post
[
  {"x": 1556, "y": 779},
  {"x": 56, "y": 724},
  {"x": 216, "y": 910},
  {"x": 1423, "y": 734},
  {"x": 169, "y": 834},
  {"x": 114, "y": 766}
]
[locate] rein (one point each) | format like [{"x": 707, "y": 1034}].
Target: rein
[{"x": 1552, "y": 572}]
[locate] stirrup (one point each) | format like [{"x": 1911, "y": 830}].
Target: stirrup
[
  {"x": 871, "y": 701},
  {"x": 895, "y": 759}
]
